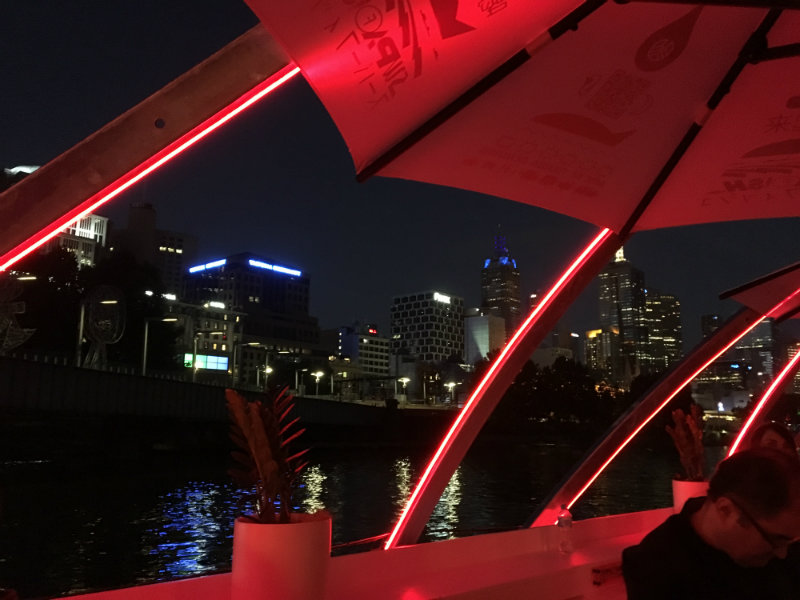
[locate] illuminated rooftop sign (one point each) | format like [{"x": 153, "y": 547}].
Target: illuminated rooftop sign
[
  {"x": 277, "y": 268},
  {"x": 441, "y": 298},
  {"x": 211, "y": 265}
]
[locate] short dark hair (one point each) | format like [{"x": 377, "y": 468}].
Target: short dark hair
[
  {"x": 778, "y": 429},
  {"x": 764, "y": 481}
]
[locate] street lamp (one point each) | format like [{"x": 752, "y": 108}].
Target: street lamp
[
  {"x": 267, "y": 371},
  {"x": 450, "y": 386},
  {"x": 144, "y": 346},
  {"x": 404, "y": 381},
  {"x": 317, "y": 376}
]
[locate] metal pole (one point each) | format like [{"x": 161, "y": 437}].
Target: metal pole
[
  {"x": 80, "y": 336},
  {"x": 194, "y": 359},
  {"x": 233, "y": 364},
  {"x": 144, "y": 349},
  {"x": 331, "y": 384}
]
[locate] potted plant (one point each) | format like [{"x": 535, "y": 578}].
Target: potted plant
[
  {"x": 277, "y": 553},
  {"x": 687, "y": 435}
]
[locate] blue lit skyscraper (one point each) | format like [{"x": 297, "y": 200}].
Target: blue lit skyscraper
[{"x": 500, "y": 290}]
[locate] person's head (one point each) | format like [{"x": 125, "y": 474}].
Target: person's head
[
  {"x": 773, "y": 435},
  {"x": 754, "y": 499}
]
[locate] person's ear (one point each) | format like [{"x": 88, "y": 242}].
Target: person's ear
[{"x": 725, "y": 508}]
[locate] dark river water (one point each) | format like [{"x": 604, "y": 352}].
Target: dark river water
[{"x": 67, "y": 528}]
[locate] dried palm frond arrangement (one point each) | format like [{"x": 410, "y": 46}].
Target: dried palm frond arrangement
[
  {"x": 687, "y": 434},
  {"x": 262, "y": 432}
]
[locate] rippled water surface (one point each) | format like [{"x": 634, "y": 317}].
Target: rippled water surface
[{"x": 66, "y": 529}]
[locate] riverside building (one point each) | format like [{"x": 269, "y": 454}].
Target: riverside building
[
  {"x": 274, "y": 297},
  {"x": 428, "y": 326}
]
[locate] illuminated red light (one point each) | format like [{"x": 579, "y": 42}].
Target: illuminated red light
[
  {"x": 151, "y": 165},
  {"x": 777, "y": 384},
  {"x": 477, "y": 394}
]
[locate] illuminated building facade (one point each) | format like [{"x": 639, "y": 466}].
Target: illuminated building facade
[
  {"x": 428, "y": 326},
  {"x": 757, "y": 348},
  {"x": 211, "y": 333},
  {"x": 793, "y": 349},
  {"x": 622, "y": 303},
  {"x": 663, "y": 321},
  {"x": 274, "y": 297},
  {"x": 482, "y": 334},
  {"x": 500, "y": 290},
  {"x": 85, "y": 238},
  {"x": 602, "y": 349},
  {"x": 366, "y": 349}
]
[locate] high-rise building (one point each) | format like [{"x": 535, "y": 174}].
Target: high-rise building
[
  {"x": 500, "y": 290},
  {"x": 602, "y": 349},
  {"x": 170, "y": 252},
  {"x": 791, "y": 350},
  {"x": 622, "y": 303},
  {"x": 757, "y": 348},
  {"x": 428, "y": 325},
  {"x": 482, "y": 334},
  {"x": 663, "y": 321},
  {"x": 274, "y": 297}
]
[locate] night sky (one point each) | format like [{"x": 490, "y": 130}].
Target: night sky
[{"x": 279, "y": 182}]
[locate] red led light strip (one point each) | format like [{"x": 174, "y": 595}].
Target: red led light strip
[
  {"x": 152, "y": 164},
  {"x": 477, "y": 394},
  {"x": 775, "y": 311},
  {"x": 765, "y": 399}
]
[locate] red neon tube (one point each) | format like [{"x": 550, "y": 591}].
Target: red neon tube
[
  {"x": 777, "y": 384},
  {"x": 152, "y": 164},
  {"x": 777, "y": 310},
  {"x": 477, "y": 394}
]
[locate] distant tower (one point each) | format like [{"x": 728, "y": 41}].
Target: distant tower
[
  {"x": 622, "y": 307},
  {"x": 709, "y": 324},
  {"x": 500, "y": 293}
]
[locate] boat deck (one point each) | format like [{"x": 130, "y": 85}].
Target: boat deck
[{"x": 513, "y": 564}]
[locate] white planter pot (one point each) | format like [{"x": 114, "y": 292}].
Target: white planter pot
[
  {"x": 683, "y": 490},
  {"x": 281, "y": 561}
]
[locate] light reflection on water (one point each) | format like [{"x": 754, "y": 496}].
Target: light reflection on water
[{"x": 132, "y": 526}]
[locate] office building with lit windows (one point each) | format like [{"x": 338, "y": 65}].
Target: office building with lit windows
[
  {"x": 428, "y": 326},
  {"x": 622, "y": 303},
  {"x": 664, "y": 331},
  {"x": 85, "y": 239},
  {"x": 367, "y": 350},
  {"x": 602, "y": 350},
  {"x": 500, "y": 289},
  {"x": 210, "y": 337},
  {"x": 274, "y": 297}
]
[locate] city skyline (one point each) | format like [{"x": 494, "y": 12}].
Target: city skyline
[{"x": 279, "y": 182}]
